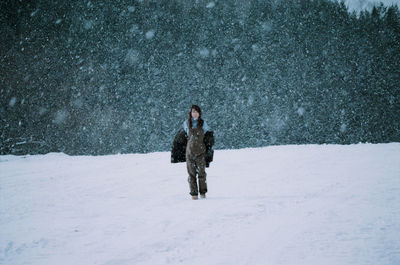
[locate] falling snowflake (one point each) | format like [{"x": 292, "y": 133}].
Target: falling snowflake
[
  {"x": 211, "y": 4},
  {"x": 150, "y": 34}
]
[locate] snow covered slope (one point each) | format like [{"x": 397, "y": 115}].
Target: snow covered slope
[{"x": 309, "y": 204}]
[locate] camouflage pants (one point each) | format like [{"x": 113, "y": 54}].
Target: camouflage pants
[{"x": 196, "y": 165}]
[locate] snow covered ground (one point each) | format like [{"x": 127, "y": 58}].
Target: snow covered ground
[{"x": 310, "y": 204}]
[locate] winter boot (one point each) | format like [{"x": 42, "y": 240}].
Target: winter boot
[
  {"x": 203, "y": 196},
  {"x": 195, "y": 197}
]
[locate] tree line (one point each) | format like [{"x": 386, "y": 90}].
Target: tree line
[{"x": 83, "y": 77}]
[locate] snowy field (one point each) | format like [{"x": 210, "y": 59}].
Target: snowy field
[{"x": 294, "y": 205}]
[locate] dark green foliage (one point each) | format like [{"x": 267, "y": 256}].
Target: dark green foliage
[{"x": 102, "y": 77}]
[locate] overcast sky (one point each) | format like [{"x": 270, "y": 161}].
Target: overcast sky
[{"x": 361, "y": 4}]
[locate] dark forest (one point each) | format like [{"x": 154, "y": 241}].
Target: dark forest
[{"x": 106, "y": 77}]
